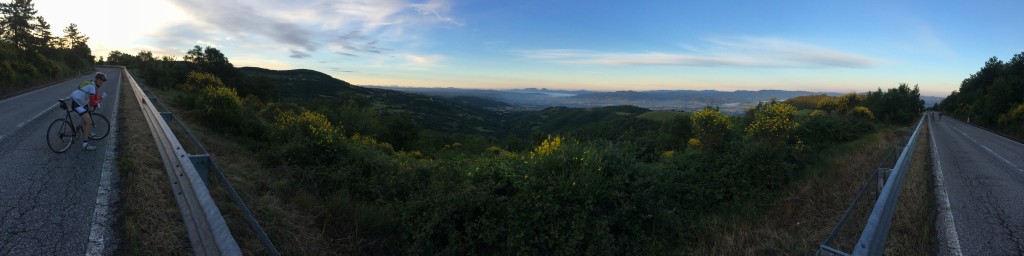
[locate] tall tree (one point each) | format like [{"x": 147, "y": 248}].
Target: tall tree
[
  {"x": 44, "y": 38},
  {"x": 3, "y": 25},
  {"x": 76, "y": 41},
  {"x": 212, "y": 61},
  {"x": 195, "y": 56},
  {"x": 72, "y": 37},
  {"x": 17, "y": 20}
]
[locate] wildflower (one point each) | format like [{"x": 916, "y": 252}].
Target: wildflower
[
  {"x": 550, "y": 145},
  {"x": 668, "y": 154}
]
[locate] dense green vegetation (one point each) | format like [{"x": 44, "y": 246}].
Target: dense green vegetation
[
  {"x": 30, "y": 54},
  {"x": 411, "y": 174},
  {"x": 993, "y": 97}
]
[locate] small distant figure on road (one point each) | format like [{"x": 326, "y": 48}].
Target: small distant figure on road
[
  {"x": 940, "y": 115},
  {"x": 81, "y": 96}
]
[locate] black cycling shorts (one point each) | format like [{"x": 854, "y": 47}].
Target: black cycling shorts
[{"x": 76, "y": 107}]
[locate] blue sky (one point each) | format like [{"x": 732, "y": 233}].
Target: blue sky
[{"x": 838, "y": 46}]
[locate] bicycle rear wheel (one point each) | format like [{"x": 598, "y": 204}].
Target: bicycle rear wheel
[
  {"x": 100, "y": 126},
  {"x": 60, "y": 135}
]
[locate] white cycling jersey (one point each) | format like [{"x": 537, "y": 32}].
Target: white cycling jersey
[{"x": 81, "y": 95}]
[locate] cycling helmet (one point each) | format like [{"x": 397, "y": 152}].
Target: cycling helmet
[{"x": 100, "y": 75}]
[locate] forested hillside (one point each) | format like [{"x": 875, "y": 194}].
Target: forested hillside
[
  {"x": 992, "y": 97},
  {"x": 29, "y": 52},
  {"x": 388, "y": 173}
]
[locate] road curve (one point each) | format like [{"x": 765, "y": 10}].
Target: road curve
[
  {"x": 980, "y": 187},
  {"x": 48, "y": 201}
]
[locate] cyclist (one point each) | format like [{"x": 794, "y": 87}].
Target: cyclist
[{"x": 87, "y": 95}]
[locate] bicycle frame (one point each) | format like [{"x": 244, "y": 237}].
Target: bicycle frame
[{"x": 67, "y": 116}]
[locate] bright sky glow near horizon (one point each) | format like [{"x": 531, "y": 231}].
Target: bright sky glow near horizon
[{"x": 834, "y": 46}]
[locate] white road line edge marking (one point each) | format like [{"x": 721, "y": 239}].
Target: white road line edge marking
[
  {"x": 102, "y": 231},
  {"x": 989, "y": 150},
  {"x": 997, "y": 135},
  {"x": 38, "y": 115},
  {"x": 948, "y": 224}
]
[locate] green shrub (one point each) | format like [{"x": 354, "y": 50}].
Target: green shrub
[
  {"x": 710, "y": 128},
  {"x": 1013, "y": 120},
  {"x": 307, "y": 138},
  {"x": 773, "y": 125},
  {"x": 834, "y": 105},
  {"x": 221, "y": 107},
  {"x": 863, "y": 113},
  {"x": 198, "y": 81},
  {"x": 831, "y": 129},
  {"x": 562, "y": 198}
]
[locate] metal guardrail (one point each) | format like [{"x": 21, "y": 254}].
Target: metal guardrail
[
  {"x": 878, "y": 176},
  {"x": 876, "y": 230},
  {"x": 208, "y": 233},
  {"x": 204, "y": 164}
]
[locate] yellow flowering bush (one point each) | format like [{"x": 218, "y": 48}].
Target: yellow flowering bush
[
  {"x": 773, "y": 123},
  {"x": 668, "y": 154},
  {"x": 817, "y": 113},
  {"x": 694, "y": 142},
  {"x": 307, "y": 136},
  {"x": 710, "y": 127},
  {"x": 834, "y": 105},
  {"x": 862, "y": 113},
  {"x": 549, "y": 146}
]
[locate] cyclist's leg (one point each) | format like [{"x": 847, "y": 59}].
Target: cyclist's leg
[
  {"x": 86, "y": 122},
  {"x": 86, "y": 125}
]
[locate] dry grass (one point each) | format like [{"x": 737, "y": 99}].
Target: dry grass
[
  {"x": 802, "y": 218},
  {"x": 912, "y": 231},
  {"x": 269, "y": 192},
  {"x": 152, "y": 222}
]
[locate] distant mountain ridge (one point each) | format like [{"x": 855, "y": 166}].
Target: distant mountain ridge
[
  {"x": 734, "y": 102},
  {"x": 451, "y": 114},
  {"x": 304, "y": 84}
]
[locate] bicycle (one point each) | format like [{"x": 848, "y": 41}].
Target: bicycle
[{"x": 61, "y": 135}]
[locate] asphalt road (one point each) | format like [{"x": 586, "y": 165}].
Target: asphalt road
[
  {"x": 49, "y": 202},
  {"x": 980, "y": 187}
]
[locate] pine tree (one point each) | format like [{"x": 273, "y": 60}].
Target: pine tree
[
  {"x": 17, "y": 23},
  {"x": 43, "y": 36},
  {"x": 72, "y": 37}
]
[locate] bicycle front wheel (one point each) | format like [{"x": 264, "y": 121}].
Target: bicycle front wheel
[
  {"x": 100, "y": 127},
  {"x": 60, "y": 135}
]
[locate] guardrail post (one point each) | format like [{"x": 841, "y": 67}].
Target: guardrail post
[
  {"x": 202, "y": 163},
  {"x": 168, "y": 116},
  {"x": 882, "y": 174}
]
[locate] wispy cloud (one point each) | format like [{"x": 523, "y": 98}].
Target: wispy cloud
[
  {"x": 438, "y": 9},
  {"x": 238, "y": 17},
  {"x": 298, "y": 54},
  {"x": 739, "y": 52},
  {"x": 421, "y": 60},
  {"x": 300, "y": 28},
  {"x": 356, "y": 41}
]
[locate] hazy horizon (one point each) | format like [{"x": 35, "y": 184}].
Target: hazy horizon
[{"x": 574, "y": 45}]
